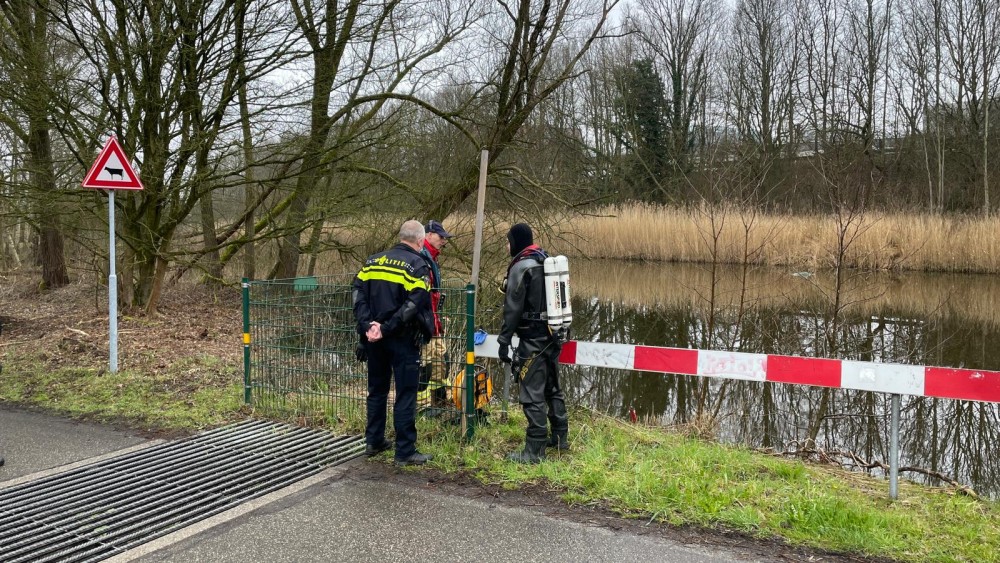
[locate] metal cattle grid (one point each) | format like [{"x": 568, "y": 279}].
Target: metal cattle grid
[{"x": 103, "y": 509}]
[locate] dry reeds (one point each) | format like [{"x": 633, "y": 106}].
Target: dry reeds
[
  {"x": 732, "y": 235},
  {"x": 722, "y": 234}
]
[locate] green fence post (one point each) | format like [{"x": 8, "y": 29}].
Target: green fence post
[
  {"x": 470, "y": 359},
  {"x": 246, "y": 340}
]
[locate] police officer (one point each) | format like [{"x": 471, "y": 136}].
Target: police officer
[
  {"x": 392, "y": 306},
  {"x": 536, "y": 359}
]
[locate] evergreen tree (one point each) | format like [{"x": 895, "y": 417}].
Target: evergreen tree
[{"x": 644, "y": 130}]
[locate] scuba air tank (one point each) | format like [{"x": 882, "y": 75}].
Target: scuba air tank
[
  {"x": 553, "y": 297},
  {"x": 558, "y": 308},
  {"x": 562, "y": 267}
]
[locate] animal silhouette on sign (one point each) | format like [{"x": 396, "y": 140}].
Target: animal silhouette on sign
[{"x": 115, "y": 172}]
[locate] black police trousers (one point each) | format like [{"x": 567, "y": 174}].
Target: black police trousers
[{"x": 399, "y": 357}]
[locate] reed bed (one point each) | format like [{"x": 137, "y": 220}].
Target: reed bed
[
  {"x": 722, "y": 234},
  {"x": 732, "y": 235}
]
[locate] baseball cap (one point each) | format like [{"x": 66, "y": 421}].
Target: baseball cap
[{"x": 436, "y": 227}]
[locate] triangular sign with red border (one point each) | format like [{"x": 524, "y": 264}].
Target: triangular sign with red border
[{"x": 111, "y": 170}]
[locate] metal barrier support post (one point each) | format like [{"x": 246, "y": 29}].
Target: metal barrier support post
[
  {"x": 246, "y": 340},
  {"x": 508, "y": 374},
  {"x": 894, "y": 450}
]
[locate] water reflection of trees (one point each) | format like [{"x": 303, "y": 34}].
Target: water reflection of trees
[{"x": 952, "y": 437}]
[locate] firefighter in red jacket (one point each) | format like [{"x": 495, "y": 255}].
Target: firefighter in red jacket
[{"x": 434, "y": 379}]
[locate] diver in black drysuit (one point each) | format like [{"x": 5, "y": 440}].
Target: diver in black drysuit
[{"x": 536, "y": 360}]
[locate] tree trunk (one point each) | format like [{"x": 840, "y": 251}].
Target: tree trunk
[
  {"x": 325, "y": 59},
  {"x": 28, "y": 24},
  {"x": 156, "y": 288},
  {"x": 54, "y": 272},
  {"x": 986, "y": 161},
  {"x": 314, "y": 238},
  {"x": 213, "y": 265},
  {"x": 51, "y": 248},
  {"x": 289, "y": 247}
]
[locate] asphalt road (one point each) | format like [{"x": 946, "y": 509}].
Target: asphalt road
[
  {"x": 339, "y": 515},
  {"x": 32, "y": 442}
]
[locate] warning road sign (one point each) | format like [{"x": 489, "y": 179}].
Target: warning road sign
[{"x": 111, "y": 170}]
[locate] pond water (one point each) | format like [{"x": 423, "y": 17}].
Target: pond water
[{"x": 927, "y": 319}]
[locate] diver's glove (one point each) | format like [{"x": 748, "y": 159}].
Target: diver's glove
[{"x": 504, "y": 353}]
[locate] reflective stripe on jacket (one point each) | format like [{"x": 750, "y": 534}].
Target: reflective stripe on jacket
[{"x": 392, "y": 288}]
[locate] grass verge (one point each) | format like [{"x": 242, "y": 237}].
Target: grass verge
[
  {"x": 188, "y": 395},
  {"x": 660, "y": 475}
]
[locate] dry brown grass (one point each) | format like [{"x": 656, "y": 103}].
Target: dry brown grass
[{"x": 876, "y": 240}]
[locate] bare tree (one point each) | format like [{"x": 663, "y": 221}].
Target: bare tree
[
  {"x": 250, "y": 189},
  {"x": 165, "y": 83},
  {"x": 364, "y": 54},
  {"x": 868, "y": 25},
  {"x": 914, "y": 84},
  {"x": 682, "y": 35},
  {"x": 520, "y": 71},
  {"x": 818, "y": 25},
  {"x": 32, "y": 74},
  {"x": 600, "y": 119},
  {"x": 937, "y": 25},
  {"x": 760, "y": 72},
  {"x": 973, "y": 43}
]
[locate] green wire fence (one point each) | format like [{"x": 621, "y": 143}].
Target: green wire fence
[{"x": 299, "y": 360}]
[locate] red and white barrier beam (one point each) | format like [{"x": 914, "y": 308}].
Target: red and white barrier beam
[{"x": 921, "y": 381}]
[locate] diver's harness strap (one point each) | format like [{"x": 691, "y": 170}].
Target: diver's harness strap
[{"x": 535, "y": 317}]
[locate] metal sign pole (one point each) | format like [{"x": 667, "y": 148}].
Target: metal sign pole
[
  {"x": 112, "y": 288},
  {"x": 118, "y": 175},
  {"x": 894, "y": 450}
]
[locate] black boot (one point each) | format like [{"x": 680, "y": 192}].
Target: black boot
[
  {"x": 558, "y": 421},
  {"x": 558, "y": 439},
  {"x": 534, "y": 452}
]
